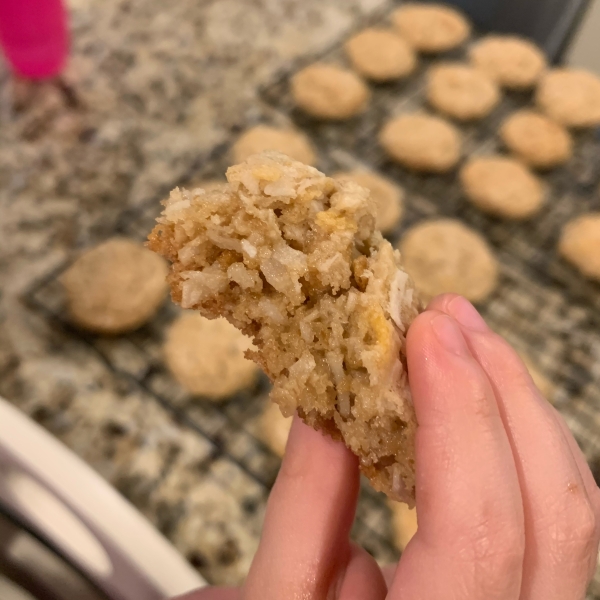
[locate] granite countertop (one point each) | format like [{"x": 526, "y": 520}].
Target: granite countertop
[{"x": 149, "y": 91}]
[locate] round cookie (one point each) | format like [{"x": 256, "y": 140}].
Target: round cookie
[
  {"x": 513, "y": 62},
  {"x": 502, "y": 186},
  {"x": 536, "y": 140},
  {"x": 329, "y": 92},
  {"x": 571, "y": 97},
  {"x": 404, "y": 523},
  {"x": 541, "y": 381},
  {"x": 431, "y": 28},
  {"x": 381, "y": 55},
  {"x": 461, "y": 91},
  {"x": 446, "y": 256},
  {"x": 274, "y": 428},
  {"x": 580, "y": 244},
  {"x": 388, "y": 197},
  {"x": 422, "y": 142},
  {"x": 115, "y": 287},
  {"x": 207, "y": 356},
  {"x": 290, "y": 142}
]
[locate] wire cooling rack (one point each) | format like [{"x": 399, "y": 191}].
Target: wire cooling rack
[{"x": 544, "y": 308}]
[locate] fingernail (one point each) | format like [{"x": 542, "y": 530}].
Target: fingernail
[
  {"x": 449, "y": 335},
  {"x": 466, "y": 314}
]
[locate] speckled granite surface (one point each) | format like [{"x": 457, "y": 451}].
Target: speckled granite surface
[{"x": 150, "y": 90}]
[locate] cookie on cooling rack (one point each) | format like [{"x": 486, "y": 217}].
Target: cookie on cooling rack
[
  {"x": 502, "y": 186},
  {"x": 329, "y": 92},
  {"x": 461, "y": 91},
  {"x": 404, "y": 523},
  {"x": 580, "y": 244},
  {"x": 388, "y": 196},
  {"x": 257, "y": 139},
  {"x": 115, "y": 287},
  {"x": 570, "y": 97},
  {"x": 207, "y": 356},
  {"x": 274, "y": 428},
  {"x": 536, "y": 140},
  {"x": 444, "y": 255},
  {"x": 380, "y": 54},
  {"x": 513, "y": 62},
  {"x": 431, "y": 28},
  {"x": 422, "y": 142}
]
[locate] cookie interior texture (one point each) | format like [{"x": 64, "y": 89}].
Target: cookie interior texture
[{"x": 292, "y": 259}]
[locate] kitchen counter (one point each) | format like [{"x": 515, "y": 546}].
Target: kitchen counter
[{"x": 147, "y": 95}]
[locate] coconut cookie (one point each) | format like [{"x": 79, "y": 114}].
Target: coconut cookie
[
  {"x": 388, "y": 197},
  {"x": 422, "y": 142},
  {"x": 404, "y": 523},
  {"x": 461, "y": 92},
  {"x": 257, "y": 139},
  {"x": 380, "y": 54},
  {"x": 513, "y": 62},
  {"x": 536, "y": 140},
  {"x": 502, "y": 186},
  {"x": 208, "y": 185},
  {"x": 274, "y": 429},
  {"x": 571, "y": 97},
  {"x": 541, "y": 381},
  {"x": 445, "y": 256},
  {"x": 580, "y": 244},
  {"x": 431, "y": 28},
  {"x": 329, "y": 92},
  {"x": 292, "y": 259},
  {"x": 115, "y": 287},
  {"x": 207, "y": 357}
]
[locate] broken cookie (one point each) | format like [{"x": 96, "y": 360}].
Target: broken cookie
[{"x": 292, "y": 259}]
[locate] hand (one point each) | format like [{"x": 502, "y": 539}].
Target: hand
[{"x": 507, "y": 506}]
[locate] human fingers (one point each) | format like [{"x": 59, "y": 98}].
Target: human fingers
[
  {"x": 304, "y": 549},
  {"x": 561, "y": 501},
  {"x": 470, "y": 540}
]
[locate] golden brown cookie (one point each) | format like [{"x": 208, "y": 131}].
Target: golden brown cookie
[
  {"x": 502, "y": 186},
  {"x": 431, "y": 28},
  {"x": 404, "y": 523},
  {"x": 446, "y": 256},
  {"x": 115, "y": 287},
  {"x": 422, "y": 142},
  {"x": 571, "y": 97},
  {"x": 207, "y": 356},
  {"x": 536, "y": 139},
  {"x": 329, "y": 92},
  {"x": 257, "y": 139},
  {"x": 380, "y": 54},
  {"x": 274, "y": 428},
  {"x": 292, "y": 258},
  {"x": 541, "y": 381},
  {"x": 388, "y": 197},
  {"x": 461, "y": 92},
  {"x": 580, "y": 244},
  {"x": 513, "y": 62}
]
